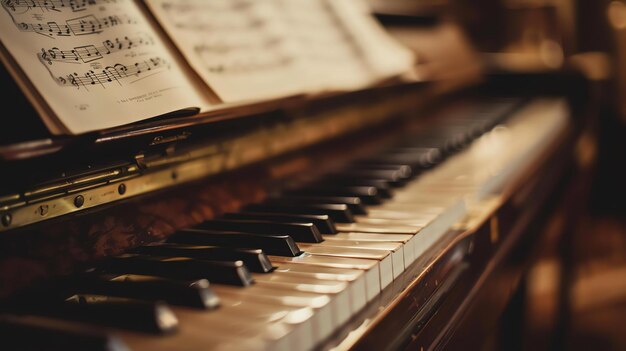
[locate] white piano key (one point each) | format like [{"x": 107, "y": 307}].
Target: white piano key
[
  {"x": 409, "y": 250},
  {"x": 328, "y": 273},
  {"x": 358, "y": 293},
  {"x": 433, "y": 232},
  {"x": 221, "y": 328},
  {"x": 322, "y": 320},
  {"x": 417, "y": 194},
  {"x": 406, "y": 217},
  {"x": 299, "y": 318},
  {"x": 299, "y": 283},
  {"x": 370, "y": 267},
  {"x": 355, "y": 278},
  {"x": 369, "y": 237},
  {"x": 395, "y": 248},
  {"x": 375, "y": 228},
  {"x": 415, "y": 207},
  {"x": 339, "y": 290},
  {"x": 412, "y": 220},
  {"x": 408, "y": 241},
  {"x": 192, "y": 338},
  {"x": 383, "y": 257}
]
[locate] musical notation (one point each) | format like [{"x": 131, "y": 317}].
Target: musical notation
[
  {"x": 77, "y": 26},
  {"x": 97, "y": 63},
  {"x": 22, "y": 6},
  {"x": 89, "y": 53},
  {"x": 239, "y": 47},
  {"x": 114, "y": 74},
  {"x": 222, "y": 47},
  {"x": 252, "y": 66},
  {"x": 252, "y": 24}
]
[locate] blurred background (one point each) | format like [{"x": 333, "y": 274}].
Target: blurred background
[{"x": 575, "y": 295}]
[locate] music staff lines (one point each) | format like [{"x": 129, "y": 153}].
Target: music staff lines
[
  {"x": 233, "y": 27},
  {"x": 250, "y": 67},
  {"x": 23, "y": 6},
  {"x": 114, "y": 74},
  {"x": 224, "y": 6},
  {"x": 224, "y": 47},
  {"x": 77, "y": 26},
  {"x": 89, "y": 53}
]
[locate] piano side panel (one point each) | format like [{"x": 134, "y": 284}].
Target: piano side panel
[{"x": 503, "y": 249}]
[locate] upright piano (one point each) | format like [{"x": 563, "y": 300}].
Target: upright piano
[{"x": 395, "y": 217}]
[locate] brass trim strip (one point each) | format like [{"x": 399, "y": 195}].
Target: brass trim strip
[
  {"x": 202, "y": 162},
  {"x": 71, "y": 182}
]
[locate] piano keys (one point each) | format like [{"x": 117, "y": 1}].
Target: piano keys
[{"x": 288, "y": 272}]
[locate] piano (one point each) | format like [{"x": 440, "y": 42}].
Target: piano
[{"x": 394, "y": 217}]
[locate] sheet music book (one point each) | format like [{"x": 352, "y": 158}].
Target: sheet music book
[{"x": 94, "y": 64}]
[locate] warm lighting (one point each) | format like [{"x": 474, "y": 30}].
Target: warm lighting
[
  {"x": 617, "y": 14},
  {"x": 551, "y": 53}
]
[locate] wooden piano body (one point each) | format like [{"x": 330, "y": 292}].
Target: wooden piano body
[{"x": 176, "y": 175}]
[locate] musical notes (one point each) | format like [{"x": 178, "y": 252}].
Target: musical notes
[
  {"x": 91, "y": 60},
  {"x": 252, "y": 66},
  {"x": 77, "y": 26},
  {"x": 21, "y": 6},
  {"x": 101, "y": 63},
  {"x": 20, "y": 13},
  {"x": 225, "y": 47},
  {"x": 262, "y": 49},
  {"x": 237, "y": 46},
  {"x": 116, "y": 73},
  {"x": 89, "y": 53}
]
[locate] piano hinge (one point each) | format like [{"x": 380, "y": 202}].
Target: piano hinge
[{"x": 68, "y": 184}]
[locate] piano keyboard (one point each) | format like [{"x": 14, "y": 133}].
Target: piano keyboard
[{"x": 287, "y": 273}]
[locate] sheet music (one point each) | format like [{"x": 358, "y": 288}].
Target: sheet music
[
  {"x": 97, "y": 63},
  {"x": 260, "y": 49},
  {"x": 383, "y": 55},
  {"x": 237, "y": 46},
  {"x": 328, "y": 55}
]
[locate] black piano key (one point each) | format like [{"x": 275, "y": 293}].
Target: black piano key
[
  {"x": 33, "y": 333},
  {"x": 416, "y": 157},
  {"x": 404, "y": 171},
  {"x": 190, "y": 293},
  {"x": 459, "y": 136},
  {"x": 374, "y": 163},
  {"x": 338, "y": 212},
  {"x": 254, "y": 259},
  {"x": 232, "y": 273},
  {"x": 421, "y": 141},
  {"x": 147, "y": 316},
  {"x": 355, "y": 205},
  {"x": 323, "y": 222},
  {"x": 480, "y": 127},
  {"x": 445, "y": 143},
  {"x": 301, "y": 232},
  {"x": 383, "y": 186},
  {"x": 393, "y": 177},
  {"x": 368, "y": 194},
  {"x": 278, "y": 245}
]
